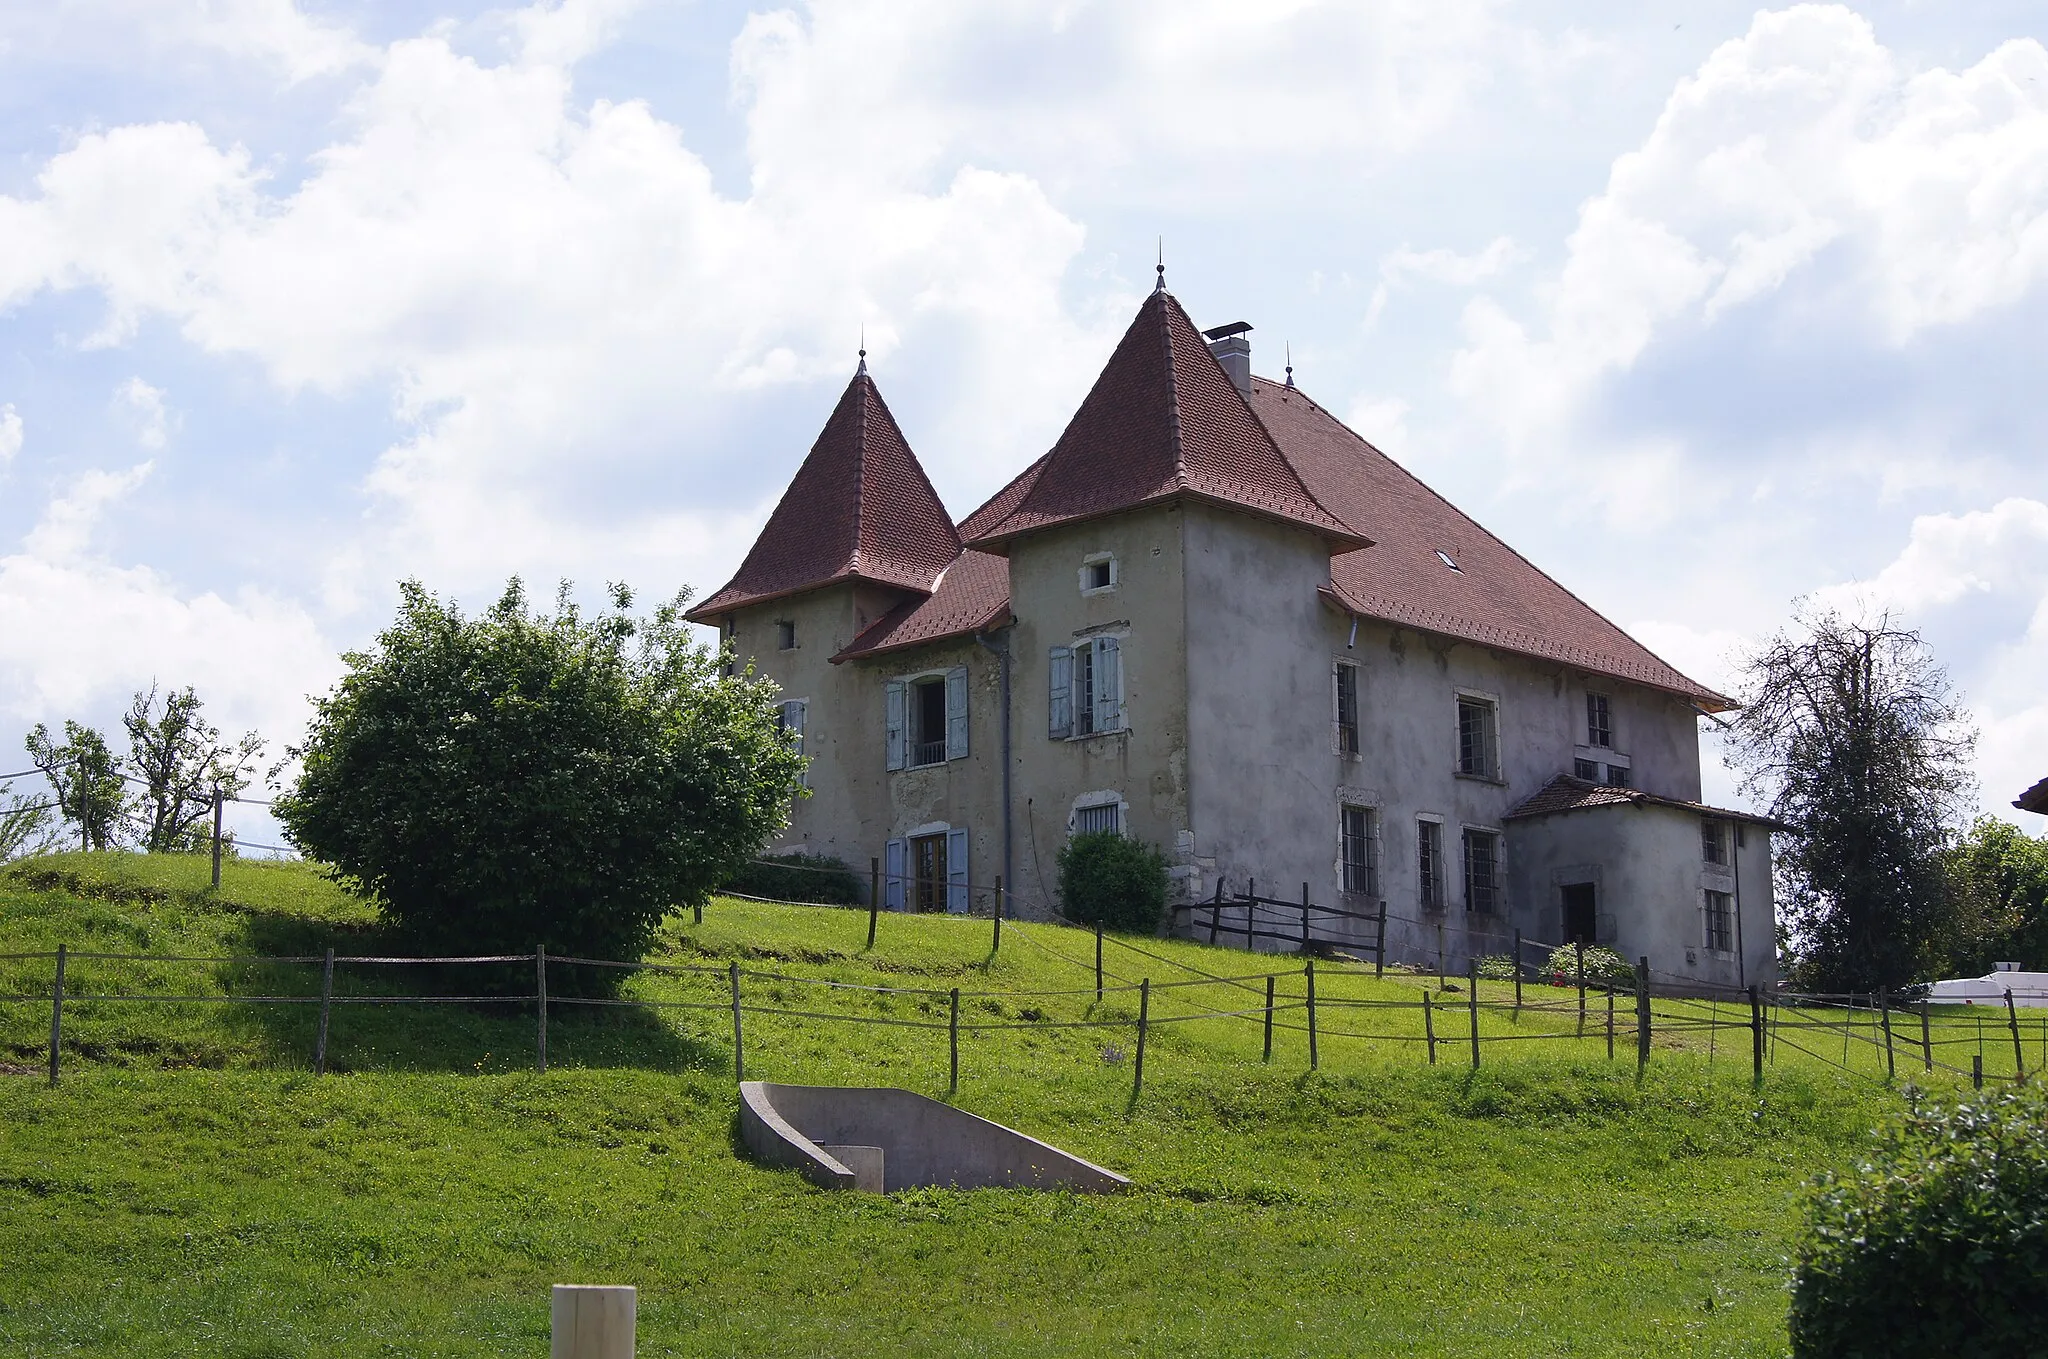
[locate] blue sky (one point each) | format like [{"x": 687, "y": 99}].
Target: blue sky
[{"x": 1701, "y": 307}]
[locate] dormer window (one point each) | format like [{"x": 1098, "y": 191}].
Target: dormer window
[
  {"x": 785, "y": 635},
  {"x": 1098, "y": 574}
]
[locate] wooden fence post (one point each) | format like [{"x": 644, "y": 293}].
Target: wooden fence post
[
  {"x": 1756, "y": 1034},
  {"x": 997, "y": 946},
  {"x": 953, "y": 1044},
  {"x": 57, "y": 1014},
  {"x": 1580, "y": 946},
  {"x": 217, "y": 800},
  {"x": 540, "y": 996},
  {"x": 1304, "y": 918},
  {"x": 1472, "y": 1003},
  {"x": 1310, "y": 973},
  {"x": 874, "y": 897},
  {"x": 739, "y": 1065},
  {"x": 1884, "y": 1018},
  {"x": 1518, "y": 972},
  {"x": 1429, "y": 1026},
  {"x": 1098, "y": 962},
  {"x": 1270, "y": 980},
  {"x": 1216, "y": 914},
  {"x": 1610, "y": 1018},
  {"x": 2012, "y": 1019},
  {"x": 1977, "y": 1070},
  {"x": 1379, "y": 944},
  {"x": 1926, "y": 1037},
  {"x": 1642, "y": 1013},
  {"x": 326, "y": 1000},
  {"x": 1144, "y": 1018}
]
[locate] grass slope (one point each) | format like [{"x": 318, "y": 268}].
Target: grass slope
[{"x": 190, "y": 1189}]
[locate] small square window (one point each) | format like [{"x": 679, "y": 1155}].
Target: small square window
[
  {"x": 1618, "y": 776},
  {"x": 1098, "y": 574},
  {"x": 785, "y": 636},
  {"x": 1103, "y": 816},
  {"x": 1589, "y": 770}
]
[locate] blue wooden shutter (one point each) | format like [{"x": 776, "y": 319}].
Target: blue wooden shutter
[
  {"x": 793, "y": 714},
  {"x": 956, "y": 870},
  {"x": 1109, "y": 686},
  {"x": 956, "y": 713},
  {"x": 892, "y": 874},
  {"x": 894, "y": 701},
  {"x": 1060, "y": 711}
]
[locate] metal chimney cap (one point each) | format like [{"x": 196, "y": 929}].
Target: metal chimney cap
[{"x": 1225, "y": 332}]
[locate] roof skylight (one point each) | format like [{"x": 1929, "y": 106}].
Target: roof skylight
[{"x": 1445, "y": 558}]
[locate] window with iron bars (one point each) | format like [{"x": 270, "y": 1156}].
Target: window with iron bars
[
  {"x": 1429, "y": 856},
  {"x": 1720, "y": 922},
  {"x": 1482, "y": 871},
  {"x": 1347, "y": 708},
  {"x": 1358, "y": 828}
]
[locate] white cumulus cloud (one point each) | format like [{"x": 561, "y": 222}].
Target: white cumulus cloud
[{"x": 10, "y": 434}]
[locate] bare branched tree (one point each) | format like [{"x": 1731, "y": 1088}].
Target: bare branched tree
[
  {"x": 180, "y": 760},
  {"x": 1850, "y": 729}
]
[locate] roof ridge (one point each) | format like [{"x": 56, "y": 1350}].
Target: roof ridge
[
  {"x": 860, "y": 482},
  {"x": 1180, "y": 451}
]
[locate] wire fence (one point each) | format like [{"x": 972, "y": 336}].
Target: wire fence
[{"x": 1320, "y": 1002}]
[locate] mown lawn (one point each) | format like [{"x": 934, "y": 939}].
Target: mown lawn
[{"x": 191, "y": 1189}]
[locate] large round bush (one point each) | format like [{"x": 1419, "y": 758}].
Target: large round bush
[
  {"x": 1114, "y": 881},
  {"x": 1937, "y": 1243}
]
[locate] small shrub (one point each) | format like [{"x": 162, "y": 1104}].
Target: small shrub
[
  {"x": 1937, "y": 1243},
  {"x": 1602, "y": 964},
  {"x": 1109, "y": 879},
  {"x": 1497, "y": 967},
  {"x": 799, "y": 877}
]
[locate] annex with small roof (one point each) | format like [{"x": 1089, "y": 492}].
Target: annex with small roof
[{"x": 1213, "y": 617}]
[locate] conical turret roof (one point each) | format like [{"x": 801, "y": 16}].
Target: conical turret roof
[
  {"x": 1162, "y": 421},
  {"x": 859, "y": 508}
]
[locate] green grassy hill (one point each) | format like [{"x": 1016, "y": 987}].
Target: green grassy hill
[{"x": 190, "y": 1188}]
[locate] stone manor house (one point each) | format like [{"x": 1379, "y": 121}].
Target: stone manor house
[{"x": 1214, "y": 618}]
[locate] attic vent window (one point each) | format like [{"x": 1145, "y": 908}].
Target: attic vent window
[
  {"x": 1098, "y": 573},
  {"x": 1445, "y": 558},
  {"x": 785, "y": 636}
]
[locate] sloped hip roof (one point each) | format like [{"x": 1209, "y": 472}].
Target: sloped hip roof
[
  {"x": 1567, "y": 794},
  {"x": 859, "y": 508}
]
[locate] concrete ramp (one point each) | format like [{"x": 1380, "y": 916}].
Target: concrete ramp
[{"x": 883, "y": 1139}]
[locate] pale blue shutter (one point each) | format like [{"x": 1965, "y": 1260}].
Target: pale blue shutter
[
  {"x": 1109, "y": 686},
  {"x": 894, "y": 701},
  {"x": 1060, "y": 711},
  {"x": 956, "y": 713},
  {"x": 892, "y": 874},
  {"x": 956, "y": 870}
]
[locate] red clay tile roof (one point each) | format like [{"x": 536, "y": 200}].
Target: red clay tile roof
[
  {"x": 1496, "y": 597},
  {"x": 860, "y": 507},
  {"x": 1163, "y": 420},
  {"x": 1567, "y": 794},
  {"x": 999, "y": 506},
  {"x": 973, "y": 595},
  {"x": 2035, "y": 799}
]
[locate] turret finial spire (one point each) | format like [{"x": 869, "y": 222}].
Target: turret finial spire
[
  {"x": 863, "y": 368},
  {"x": 1160, "y": 286},
  {"x": 1290, "y": 363}
]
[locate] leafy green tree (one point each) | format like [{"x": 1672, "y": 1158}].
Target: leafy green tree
[
  {"x": 87, "y": 780},
  {"x": 1850, "y": 728},
  {"x": 1998, "y": 880},
  {"x": 180, "y": 760},
  {"x": 1111, "y": 879},
  {"x": 27, "y": 824},
  {"x": 530, "y": 777}
]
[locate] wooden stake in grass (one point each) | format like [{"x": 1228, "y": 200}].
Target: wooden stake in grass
[
  {"x": 1642, "y": 1014},
  {"x": 57, "y": 1014},
  {"x": 1269, "y": 1019},
  {"x": 1884, "y": 1017},
  {"x": 1379, "y": 943},
  {"x": 739, "y": 1065},
  {"x": 1518, "y": 972},
  {"x": 1579, "y": 948},
  {"x": 1144, "y": 1019},
  {"x": 1429, "y": 1027},
  {"x": 1098, "y": 962},
  {"x": 1216, "y": 914},
  {"x": 217, "y": 801},
  {"x": 1472, "y": 1003},
  {"x": 540, "y": 997},
  {"x": 874, "y": 898},
  {"x": 1977, "y": 1070},
  {"x": 2012, "y": 1019},
  {"x": 1610, "y": 1018},
  {"x": 1304, "y": 917},
  {"x": 1756, "y": 1034},
  {"x": 1926, "y": 1037},
  {"x": 953, "y": 1044},
  {"x": 326, "y": 1000},
  {"x": 1310, "y": 973},
  {"x": 997, "y": 945}
]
